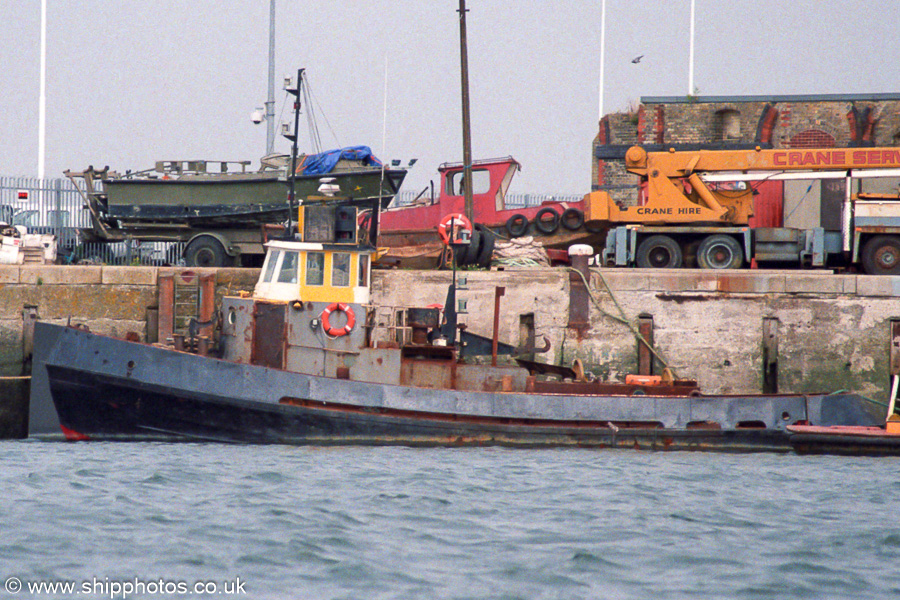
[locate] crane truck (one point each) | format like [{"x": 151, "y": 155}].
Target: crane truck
[{"x": 698, "y": 204}]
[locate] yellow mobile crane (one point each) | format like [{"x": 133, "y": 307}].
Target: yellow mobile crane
[{"x": 688, "y": 210}]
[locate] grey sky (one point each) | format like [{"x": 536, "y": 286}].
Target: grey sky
[{"x": 131, "y": 81}]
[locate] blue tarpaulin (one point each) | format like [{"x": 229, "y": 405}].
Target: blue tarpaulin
[{"x": 318, "y": 164}]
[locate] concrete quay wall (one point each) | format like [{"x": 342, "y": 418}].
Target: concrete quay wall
[
  {"x": 108, "y": 300},
  {"x": 828, "y": 331}
]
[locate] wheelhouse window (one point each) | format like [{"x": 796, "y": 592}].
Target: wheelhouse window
[
  {"x": 271, "y": 262},
  {"x": 315, "y": 268},
  {"x": 288, "y": 271},
  {"x": 481, "y": 182},
  {"x": 363, "y": 270},
  {"x": 340, "y": 269}
]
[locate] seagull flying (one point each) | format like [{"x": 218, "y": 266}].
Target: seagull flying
[{"x": 638, "y": 59}]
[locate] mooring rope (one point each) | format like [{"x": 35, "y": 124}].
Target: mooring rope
[{"x": 621, "y": 318}]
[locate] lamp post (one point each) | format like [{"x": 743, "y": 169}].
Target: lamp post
[
  {"x": 270, "y": 101},
  {"x": 42, "y": 98},
  {"x": 602, "y": 55},
  {"x": 691, "y": 55}
]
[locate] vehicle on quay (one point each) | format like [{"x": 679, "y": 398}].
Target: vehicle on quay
[{"x": 695, "y": 208}]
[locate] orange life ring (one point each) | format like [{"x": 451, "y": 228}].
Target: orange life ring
[
  {"x": 457, "y": 218},
  {"x": 326, "y": 324}
]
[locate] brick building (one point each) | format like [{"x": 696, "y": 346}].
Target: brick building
[{"x": 736, "y": 122}]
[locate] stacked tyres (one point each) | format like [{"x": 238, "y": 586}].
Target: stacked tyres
[{"x": 479, "y": 251}]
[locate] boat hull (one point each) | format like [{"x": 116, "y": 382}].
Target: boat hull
[
  {"x": 109, "y": 389},
  {"x": 847, "y": 440},
  {"x": 246, "y": 198}
]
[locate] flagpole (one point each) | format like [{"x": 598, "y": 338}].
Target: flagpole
[
  {"x": 42, "y": 98},
  {"x": 691, "y": 59},
  {"x": 602, "y": 54}
]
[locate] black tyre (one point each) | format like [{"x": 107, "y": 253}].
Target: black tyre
[
  {"x": 468, "y": 254},
  {"x": 720, "y": 252},
  {"x": 881, "y": 255},
  {"x": 486, "y": 250},
  {"x": 659, "y": 252},
  {"x": 546, "y": 225},
  {"x": 516, "y": 225},
  {"x": 595, "y": 227},
  {"x": 206, "y": 252},
  {"x": 572, "y": 219}
]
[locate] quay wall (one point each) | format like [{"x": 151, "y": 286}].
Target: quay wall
[{"x": 821, "y": 331}]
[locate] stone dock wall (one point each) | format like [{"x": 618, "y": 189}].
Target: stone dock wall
[{"x": 734, "y": 332}]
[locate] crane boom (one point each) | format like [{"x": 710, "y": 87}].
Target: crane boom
[{"x": 678, "y": 190}]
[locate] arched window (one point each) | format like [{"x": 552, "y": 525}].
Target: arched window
[
  {"x": 812, "y": 138},
  {"x": 727, "y": 125}
]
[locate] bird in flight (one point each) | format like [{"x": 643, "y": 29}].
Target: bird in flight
[{"x": 637, "y": 60}]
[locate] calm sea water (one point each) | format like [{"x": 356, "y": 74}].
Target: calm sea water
[{"x": 360, "y": 523}]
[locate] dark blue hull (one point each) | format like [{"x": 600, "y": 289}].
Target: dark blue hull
[{"x": 109, "y": 389}]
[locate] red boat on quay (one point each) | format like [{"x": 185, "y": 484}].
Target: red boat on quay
[{"x": 410, "y": 231}]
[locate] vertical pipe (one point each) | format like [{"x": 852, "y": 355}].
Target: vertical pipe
[
  {"x": 691, "y": 57},
  {"x": 292, "y": 174},
  {"x": 29, "y": 317},
  {"x": 526, "y": 335},
  {"x": 166, "y": 302},
  {"x": 270, "y": 101},
  {"x": 207, "y": 303},
  {"x": 770, "y": 355},
  {"x": 467, "y": 134},
  {"x": 42, "y": 100},
  {"x": 499, "y": 291},
  {"x": 602, "y": 57},
  {"x": 645, "y": 357}
]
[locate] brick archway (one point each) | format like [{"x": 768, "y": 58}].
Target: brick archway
[{"x": 812, "y": 138}]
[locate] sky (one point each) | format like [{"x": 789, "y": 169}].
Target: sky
[{"x": 131, "y": 82}]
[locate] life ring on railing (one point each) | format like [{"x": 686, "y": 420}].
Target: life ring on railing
[
  {"x": 458, "y": 219},
  {"x": 326, "y": 323}
]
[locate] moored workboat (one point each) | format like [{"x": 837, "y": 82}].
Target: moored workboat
[{"x": 307, "y": 359}]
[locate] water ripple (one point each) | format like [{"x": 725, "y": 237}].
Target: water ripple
[{"x": 453, "y": 523}]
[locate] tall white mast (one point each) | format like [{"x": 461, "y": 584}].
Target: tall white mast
[
  {"x": 691, "y": 59},
  {"x": 270, "y": 102},
  {"x": 42, "y": 98},
  {"x": 602, "y": 54}
]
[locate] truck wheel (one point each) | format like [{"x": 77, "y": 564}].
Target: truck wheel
[
  {"x": 659, "y": 252},
  {"x": 881, "y": 255},
  {"x": 205, "y": 252},
  {"x": 720, "y": 252}
]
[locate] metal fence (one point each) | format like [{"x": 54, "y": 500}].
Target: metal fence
[{"x": 55, "y": 206}]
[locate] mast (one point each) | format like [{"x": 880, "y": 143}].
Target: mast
[
  {"x": 467, "y": 136},
  {"x": 270, "y": 101},
  {"x": 292, "y": 174}
]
